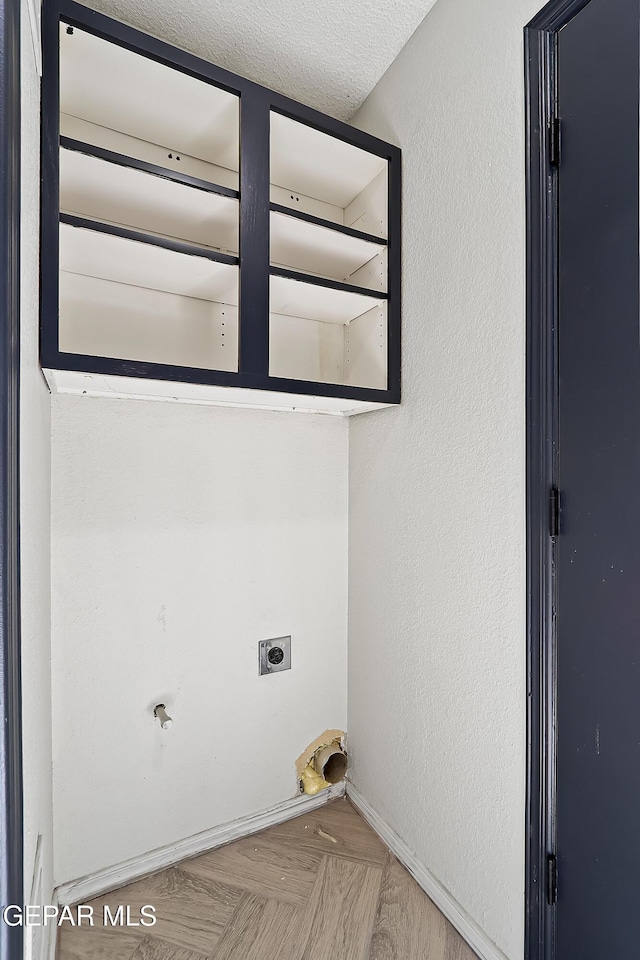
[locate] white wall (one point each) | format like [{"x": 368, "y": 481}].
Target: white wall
[
  {"x": 183, "y": 535},
  {"x": 35, "y": 493},
  {"x": 437, "y": 572}
]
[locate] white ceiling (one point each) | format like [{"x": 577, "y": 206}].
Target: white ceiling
[{"x": 328, "y": 53}]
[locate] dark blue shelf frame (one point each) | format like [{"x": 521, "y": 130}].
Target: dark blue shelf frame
[{"x": 256, "y": 105}]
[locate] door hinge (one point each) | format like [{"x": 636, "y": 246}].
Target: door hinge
[
  {"x": 554, "y": 512},
  {"x": 554, "y": 142},
  {"x": 552, "y": 880}
]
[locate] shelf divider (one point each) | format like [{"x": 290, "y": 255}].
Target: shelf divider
[
  {"x": 324, "y": 282},
  {"x": 176, "y": 246},
  {"x": 254, "y": 234},
  {"x": 79, "y": 146},
  {"x": 328, "y": 224}
]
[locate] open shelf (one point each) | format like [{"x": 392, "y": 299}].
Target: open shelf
[
  {"x": 166, "y": 275},
  {"x": 298, "y": 297},
  {"x": 327, "y": 177},
  {"x": 128, "y": 300},
  {"x": 108, "y": 192},
  {"x": 327, "y": 335},
  {"x": 167, "y": 173},
  {"x": 136, "y": 106},
  {"x": 314, "y": 248}
]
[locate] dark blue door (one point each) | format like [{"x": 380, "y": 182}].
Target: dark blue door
[{"x": 598, "y": 547}]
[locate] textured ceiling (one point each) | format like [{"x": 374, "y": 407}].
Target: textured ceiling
[{"x": 329, "y": 54}]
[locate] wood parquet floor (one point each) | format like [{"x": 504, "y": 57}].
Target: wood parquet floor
[{"x": 319, "y": 887}]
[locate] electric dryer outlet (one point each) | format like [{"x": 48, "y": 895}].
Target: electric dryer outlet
[{"x": 274, "y": 655}]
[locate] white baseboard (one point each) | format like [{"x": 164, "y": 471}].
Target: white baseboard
[
  {"x": 79, "y": 891},
  {"x": 455, "y": 914}
]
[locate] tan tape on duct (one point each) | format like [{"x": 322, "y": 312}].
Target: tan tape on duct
[{"x": 323, "y": 762}]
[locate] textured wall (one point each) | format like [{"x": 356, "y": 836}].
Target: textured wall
[
  {"x": 182, "y": 535},
  {"x": 35, "y": 495},
  {"x": 328, "y": 55},
  {"x": 437, "y": 574}
]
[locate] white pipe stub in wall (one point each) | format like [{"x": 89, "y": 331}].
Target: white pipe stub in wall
[{"x": 160, "y": 712}]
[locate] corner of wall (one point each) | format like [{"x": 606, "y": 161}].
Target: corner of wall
[{"x": 35, "y": 517}]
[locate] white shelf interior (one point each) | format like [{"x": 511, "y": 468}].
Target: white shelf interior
[
  {"x": 322, "y": 175},
  {"x": 320, "y": 251},
  {"x": 129, "y": 103},
  {"x": 327, "y": 336},
  {"x": 294, "y": 298},
  {"x": 133, "y": 301},
  {"x": 110, "y": 193}
]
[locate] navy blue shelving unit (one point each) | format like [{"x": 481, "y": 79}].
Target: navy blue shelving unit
[{"x": 207, "y": 239}]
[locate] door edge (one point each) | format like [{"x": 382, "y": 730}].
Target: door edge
[{"x": 540, "y": 46}]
